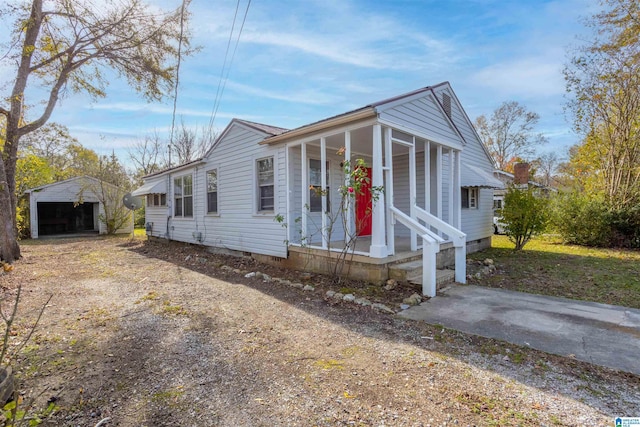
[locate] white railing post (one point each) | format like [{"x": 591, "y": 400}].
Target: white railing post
[
  {"x": 461, "y": 264},
  {"x": 428, "y": 269}
]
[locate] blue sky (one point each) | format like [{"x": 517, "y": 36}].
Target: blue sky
[{"x": 301, "y": 61}]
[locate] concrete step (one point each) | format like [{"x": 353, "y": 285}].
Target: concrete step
[
  {"x": 412, "y": 272},
  {"x": 401, "y": 272},
  {"x": 443, "y": 277}
]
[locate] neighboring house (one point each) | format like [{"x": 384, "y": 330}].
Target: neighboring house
[
  {"x": 73, "y": 206},
  {"x": 420, "y": 147},
  {"x": 507, "y": 179}
]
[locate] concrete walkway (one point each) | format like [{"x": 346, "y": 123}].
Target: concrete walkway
[{"x": 602, "y": 334}]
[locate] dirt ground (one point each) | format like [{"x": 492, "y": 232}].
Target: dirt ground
[{"x": 149, "y": 334}]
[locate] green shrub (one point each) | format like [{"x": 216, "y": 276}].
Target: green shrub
[
  {"x": 625, "y": 227},
  {"x": 525, "y": 214},
  {"x": 581, "y": 219},
  {"x": 588, "y": 221}
]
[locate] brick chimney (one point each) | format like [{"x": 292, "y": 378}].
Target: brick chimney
[{"x": 521, "y": 174}]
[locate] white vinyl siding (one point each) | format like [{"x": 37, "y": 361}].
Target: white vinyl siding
[
  {"x": 238, "y": 225},
  {"x": 424, "y": 115},
  {"x": 476, "y": 223}
]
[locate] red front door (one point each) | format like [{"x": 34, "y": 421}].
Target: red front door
[{"x": 364, "y": 208}]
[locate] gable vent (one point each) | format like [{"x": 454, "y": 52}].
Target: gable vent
[{"x": 446, "y": 104}]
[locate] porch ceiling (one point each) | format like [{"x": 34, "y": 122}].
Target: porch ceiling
[{"x": 361, "y": 142}]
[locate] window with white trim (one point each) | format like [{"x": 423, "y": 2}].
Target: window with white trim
[
  {"x": 315, "y": 181},
  {"x": 469, "y": 197},
  {"x": 156, "y": 200},
  {"x": 183, "y": 196},
  {"x": 266, "y": 188},
  {"x": 212, "y": 191}
]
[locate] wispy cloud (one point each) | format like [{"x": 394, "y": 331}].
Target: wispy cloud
[
  {"x": 524, "y": 77},
  {"x": 150, "y": 108},
  {"x": 307, "y": 96}
]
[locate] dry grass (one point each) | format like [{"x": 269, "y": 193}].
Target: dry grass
[{"x": 150, "y": 335}]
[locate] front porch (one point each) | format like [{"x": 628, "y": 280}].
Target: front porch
[{"x": 408, "y": 208}]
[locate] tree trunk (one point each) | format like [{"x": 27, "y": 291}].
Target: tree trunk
[{"x": 9, "y": 249}]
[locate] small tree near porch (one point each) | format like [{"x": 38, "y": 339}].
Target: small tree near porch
[{"x": 525, "y": 214}]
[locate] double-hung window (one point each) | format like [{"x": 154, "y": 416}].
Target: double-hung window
[
  {"x": 266, "y": 189},
  {"x": 315, "y": 185},
  {"x": 183, "y": 196},
  {"x": 469, "y": 196},
  {"x": 212, "y": 191}
]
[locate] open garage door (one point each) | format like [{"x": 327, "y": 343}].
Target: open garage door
[{"x": 64, "y": 218}]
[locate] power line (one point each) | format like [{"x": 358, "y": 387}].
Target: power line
[
  {"x": 175, "y": 94},
  {"x": 224, "y": 77}
]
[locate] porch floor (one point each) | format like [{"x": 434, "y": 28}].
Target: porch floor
[{"x": 403, "y": 251}]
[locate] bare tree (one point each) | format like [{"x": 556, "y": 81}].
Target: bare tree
[
  {"x": 509, "y": 133},
  {"x": 188, "y": 144},
  {"x": 147, "y": 155},
  {"x": 64, "y": 46},
  {"x": 546, "y": 166},
  {"x": 111, "y": 184}
]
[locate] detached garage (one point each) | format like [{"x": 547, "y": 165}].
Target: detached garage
[{"x": 72, "y": 207}]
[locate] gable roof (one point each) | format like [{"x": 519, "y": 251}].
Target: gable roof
[
  {"x": 267, "y": 130},
  {"x": 271, "y": 130},
  {"x": 174, "y": 168},
  {"x": 75, "y": 178},
  {"x": 368, "y": 111}
]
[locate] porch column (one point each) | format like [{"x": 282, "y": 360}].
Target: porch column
[
  {"x": 378, "y": 248},
  {"x": 287, "y": 156},
  {"x": 427, "y": 176},
  {"x": 323, "y": 186},
  {"x": 388, "y": 171},
  {"x": 412, "y": 192},
  {"x": 349, "y": 232},
  {"x": 457, "y": 220},
  {"x": 439, "y": 183},
  {"x": 304, "y": 192},
  {"x": 451, "y": 188}
]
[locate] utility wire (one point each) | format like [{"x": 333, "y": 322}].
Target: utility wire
[
  {"x": 175, "y": 94},
  {"x": 224, "y": 76}
]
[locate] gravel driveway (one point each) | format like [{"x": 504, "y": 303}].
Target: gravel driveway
[{"x": 143, "y": 334}]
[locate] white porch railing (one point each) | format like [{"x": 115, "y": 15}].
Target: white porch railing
[
  {"x": 458, "y": 238},
  {"x": 431, "y": 246}
]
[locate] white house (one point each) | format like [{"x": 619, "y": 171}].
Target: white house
[
  {"x": 420, "y": 147},
  {"x": 73, "y": 206}
]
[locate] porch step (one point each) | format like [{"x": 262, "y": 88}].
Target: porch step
[
  {"x": 443, "y": 277},
  {"x": 401, "y": 272},
  {"x": 412, "y": 272}
]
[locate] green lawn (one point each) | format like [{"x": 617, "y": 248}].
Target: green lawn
[{"x": 546, "y": 266}]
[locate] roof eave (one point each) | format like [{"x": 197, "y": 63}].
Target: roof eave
[
  {"x": 174, "y": 168},
  {"x": 365, "y": 113}
]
